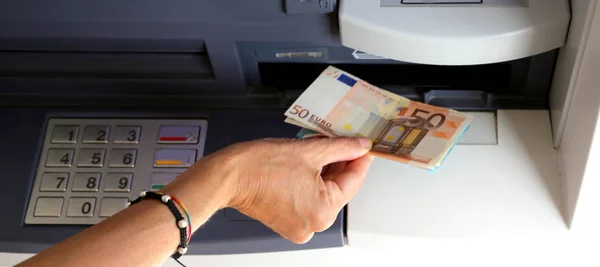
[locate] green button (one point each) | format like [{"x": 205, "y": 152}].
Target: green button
[{"x": 158, "y": 186}]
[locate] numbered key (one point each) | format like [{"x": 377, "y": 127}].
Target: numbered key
[
  {"x": 91, "y": 157},
  {"x": 54, "y": 182},
  {"x": 64, "y": 134},
  {"x": 86, "y": 182},
  {"x": 60, "y": 157},
  {"x": 122, "y": 158},
  {"x": 118, "y": 182},
  {"x": 81, "y": 207},
  {"x": 127, "y": 134},
  {"x": 96, "y": 134}
]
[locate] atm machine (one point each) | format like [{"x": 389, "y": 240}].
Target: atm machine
[{"x": 101, "y": 100}]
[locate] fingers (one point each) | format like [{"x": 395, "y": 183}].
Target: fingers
[
  {"x": 295, "y": 235},
  {"x": 303, "y": 239},
  {"x": 329, "y": 150},
  {"x": 297, "y": 229},
  {"x": 351, "y": 179},
  {"x": 305, "y": 207}
]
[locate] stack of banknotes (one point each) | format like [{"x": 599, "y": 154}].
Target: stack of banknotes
[{"x": 338, "y": 103}]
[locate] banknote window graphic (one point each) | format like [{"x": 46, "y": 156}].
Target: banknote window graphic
[{"x": 400, "y": 136}]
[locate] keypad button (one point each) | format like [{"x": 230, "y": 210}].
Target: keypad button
[
  {"x": 122, "y": 158},
  {"x": 48, "y": 207},
  {"x": 60, "y": 157},
  {"x": 54, "y": 182},
  {"x": 96, "y": 134},
  {"x": 81, "y": 207},
  {"x": 118, "y": 182},
  {"x": 178, "y": 134},
  {"x": 65, "y": 134},
  {"x": 91, "y": 157},
  {"x": 127, "y": 134},
  {"x": 112, "y": 205},
  {"x": 173, "y": 158},
  {"x": 158, "y": 180},
  {"x": 86, "y": 182}
]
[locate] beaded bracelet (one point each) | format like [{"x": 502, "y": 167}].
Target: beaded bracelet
[
  {"x": 183, "y": 226},
  {"x": 187, "y": 214}
]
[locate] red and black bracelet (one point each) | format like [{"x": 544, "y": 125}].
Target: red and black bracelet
[{"x": 181, "y": 223}]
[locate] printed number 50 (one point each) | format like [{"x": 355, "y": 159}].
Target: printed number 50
[
  {"x": 430, "y": 125},
  {"x": 301, "y": 112}
]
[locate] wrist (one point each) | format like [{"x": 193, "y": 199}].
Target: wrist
[
  {"x": 243, "y": 179},
  {"x": 204, "y": 189}
]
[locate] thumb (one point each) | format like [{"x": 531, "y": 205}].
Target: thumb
[
  {"x": 351, "y": 179},
  {"x": 328, "y": 150}
]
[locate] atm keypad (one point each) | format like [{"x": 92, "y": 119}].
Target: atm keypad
[{"x": 90, "y": 168}]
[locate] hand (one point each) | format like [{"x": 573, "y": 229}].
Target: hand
[{"x": 297, "y": 187}]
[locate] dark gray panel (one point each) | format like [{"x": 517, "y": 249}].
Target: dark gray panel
[
  {"x": 158, "y": 26},
  {"x": 107, "y": 65},
  {"x": 149, "y": 19},
  {"x": 309, "y": 6}
]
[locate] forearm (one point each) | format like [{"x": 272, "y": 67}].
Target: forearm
[{"x": 144, "y": 234}]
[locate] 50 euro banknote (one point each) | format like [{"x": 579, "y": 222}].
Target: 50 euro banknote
[{"x": 339, "y": 104}]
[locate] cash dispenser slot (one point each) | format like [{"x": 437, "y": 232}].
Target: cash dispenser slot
[
  {"x": 518, "y": 84},
  {"x": 512, "y": 84}
]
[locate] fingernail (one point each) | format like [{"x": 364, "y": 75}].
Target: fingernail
[{"x": 366, "y": 143}]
